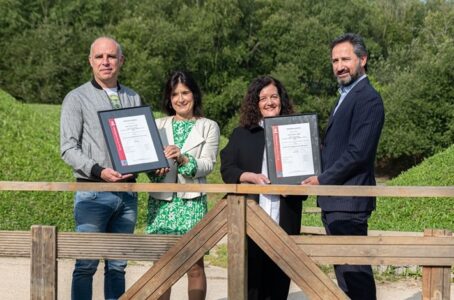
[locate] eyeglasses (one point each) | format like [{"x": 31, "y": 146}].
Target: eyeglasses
[{"x": 273, "y": 98}]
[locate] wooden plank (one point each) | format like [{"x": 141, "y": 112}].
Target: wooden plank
[
  {"x": 43, "y": 279},
  {"x": 288, "y": 256},
  {"x": 381, "y": 250},
  {"x": 436, "y": 281},
  {"x": 114, "y": 245},
  {"x": 15, "y": 243},
  {"x": 336, "y": 190},
  {"x": 333, "y": 190},
  {"x": 314, "y": 230},
  {"x": 385, "y": 250},
  {"x": 385, "y": 261},
  {"x": 236, "y": 247},
  {"x": 116, "y": 187},
  {"x": 179, "y": 259},
  {"x": 373, "y": 240}
]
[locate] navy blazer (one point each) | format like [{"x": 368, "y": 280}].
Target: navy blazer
[
  {"x": 349, "y": 147},
  {"x": 244, "y": 153}
]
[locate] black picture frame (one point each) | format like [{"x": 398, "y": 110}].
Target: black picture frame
[
  {"x": 309, "y": 122},
  {"x": 111, "y": 118}
]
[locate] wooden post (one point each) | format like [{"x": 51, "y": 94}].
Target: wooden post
[
  {"x": 436, "y": 281},
  {"x": 236, "y": 247},
  {"x": 43, "y": 281}
]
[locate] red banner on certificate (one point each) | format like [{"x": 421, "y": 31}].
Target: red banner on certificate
[
  {"x": 117, "y": 141},
  {"x": 277, "y": 151}
]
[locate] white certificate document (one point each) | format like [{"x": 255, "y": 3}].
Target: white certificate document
[
  {"x": 133, "y": 140},
  {"x": 293, "y": 150}
]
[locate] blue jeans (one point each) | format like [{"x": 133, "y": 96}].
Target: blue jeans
[{"x": 113, "y": 212}]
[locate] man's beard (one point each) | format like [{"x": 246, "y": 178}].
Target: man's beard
[{"x": 351, "y": 78}]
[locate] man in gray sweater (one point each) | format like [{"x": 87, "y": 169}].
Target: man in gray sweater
[{"x": 84, "y": 149}]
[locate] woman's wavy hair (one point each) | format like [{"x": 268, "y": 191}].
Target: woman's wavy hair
[
  {"x": 186, "y": 79},
  {"x": 250, "y": 113}
]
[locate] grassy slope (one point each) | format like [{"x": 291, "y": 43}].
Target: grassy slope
[
  {"x": 29, "y": 151},
  {"x": 416, "y": 214},
  {"x": 412, "y": 214}
]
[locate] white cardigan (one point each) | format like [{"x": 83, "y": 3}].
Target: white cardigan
[{"x": 202, "y": 143}]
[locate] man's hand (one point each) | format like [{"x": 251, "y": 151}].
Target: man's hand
[
  {"x": 313, "y": 180},
  {"x": 255, "y": 178},
  {"x": 110, "y": 175}
]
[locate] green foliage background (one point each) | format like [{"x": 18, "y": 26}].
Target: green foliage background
[{"x": 227, "y": 43}]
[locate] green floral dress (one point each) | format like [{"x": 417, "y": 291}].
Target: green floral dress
[{"x": 179, "y": 215}]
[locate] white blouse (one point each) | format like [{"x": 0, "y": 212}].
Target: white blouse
[{"x": 270, "y": 203}]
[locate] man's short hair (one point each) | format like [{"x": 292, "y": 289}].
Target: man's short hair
[
  {"x": 359, "y": 47},
  {"x": 120, "y": 52}
]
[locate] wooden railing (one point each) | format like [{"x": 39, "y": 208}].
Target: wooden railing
[{"x": 297, "y": 256}]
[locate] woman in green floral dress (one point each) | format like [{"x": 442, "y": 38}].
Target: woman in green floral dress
[{"x": 191, "y": 143}]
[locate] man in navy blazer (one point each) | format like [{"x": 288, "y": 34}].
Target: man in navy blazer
[{"x": 348, "y": 155}]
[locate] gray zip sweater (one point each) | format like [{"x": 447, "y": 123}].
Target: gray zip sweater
[{"x": 82, "y": 144}]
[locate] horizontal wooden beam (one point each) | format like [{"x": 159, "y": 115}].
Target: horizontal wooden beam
[
  {"x": 115, "y": 187},
  {"x": 314, "y": 230},
  {"x": 379, "y": 250},
  {"x": 375, "y": 250},
  {"x": 336, "y": 190},
  {"x": 114, "y": 246},
  {"x": 15, "y": 243},
  {"x": 74, "y": 245},
  {"x": 372, "y": 191}
]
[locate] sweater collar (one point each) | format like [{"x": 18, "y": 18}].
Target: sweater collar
[{"x": 96, "y": 84}]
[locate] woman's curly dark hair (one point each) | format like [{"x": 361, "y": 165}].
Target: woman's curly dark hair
[
  {"x": 185, "y": 78},
  {"x": 250, "y": 113}
]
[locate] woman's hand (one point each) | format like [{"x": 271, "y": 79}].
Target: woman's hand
[
  {"x": 255, "y": 178},
  {"x": 173, "y": 152},
  {"x": 162, "y": 171}
]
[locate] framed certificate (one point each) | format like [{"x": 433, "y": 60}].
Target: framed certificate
[
  {"x": 292, "y": 148},
  {"x": 132, "y": 139}
]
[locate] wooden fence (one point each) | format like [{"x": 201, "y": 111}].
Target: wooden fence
[{"x": 297, "y": 256}]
